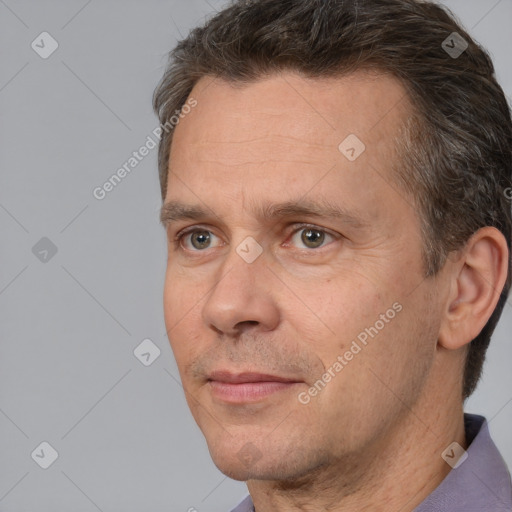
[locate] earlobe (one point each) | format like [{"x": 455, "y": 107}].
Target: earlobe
[{"x": 477, "y": 280}]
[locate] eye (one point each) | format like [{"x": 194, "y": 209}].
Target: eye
[
  {"x": 311, "y": 237},
  {"x": 198, "y": 239}
]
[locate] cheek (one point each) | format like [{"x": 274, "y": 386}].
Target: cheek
[
  {"x": 397, "y": 347},
  {"x": 365, "y": 323},
  {"x": 377, "y": 378},
  {"x": 182, "y": 317},
  {"x": 334, "y": 311}
]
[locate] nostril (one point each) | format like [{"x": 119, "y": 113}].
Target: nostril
[{"x": 248, "y": 322}]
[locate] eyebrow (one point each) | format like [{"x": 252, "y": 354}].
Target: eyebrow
[{"x": 174, "y": 211}]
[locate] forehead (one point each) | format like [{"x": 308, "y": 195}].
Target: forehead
[
  {"x": 322, "y": 104},
  {"x": 286, "y": 131}
]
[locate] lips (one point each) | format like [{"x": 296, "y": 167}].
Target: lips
[
  {"x": 247, "y": 387},
  {"x": 240, "y": 378}
]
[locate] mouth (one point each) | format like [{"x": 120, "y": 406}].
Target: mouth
[{"x": 247, "y": 387}]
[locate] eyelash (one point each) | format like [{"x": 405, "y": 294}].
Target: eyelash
[{"x": 187, "y": 231}]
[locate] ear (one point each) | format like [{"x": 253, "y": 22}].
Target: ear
[{"x": 477, "y": 281}]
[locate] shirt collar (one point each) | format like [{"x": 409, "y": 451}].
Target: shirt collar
[{"x": 481, "y": 482}]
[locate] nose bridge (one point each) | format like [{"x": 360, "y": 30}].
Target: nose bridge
[
  {"x": 240, "y": 295},
  {"x": 243, "y": 266},
  {"x": 238, "y": 274}
]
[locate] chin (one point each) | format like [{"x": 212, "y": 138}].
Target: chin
[
  {"x": 239, "y": 463},
  {"x": 236, "y": 471},
  {"x": 248, "y": 463}
]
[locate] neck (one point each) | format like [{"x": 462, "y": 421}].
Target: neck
[{"x": 397, "y": 472}]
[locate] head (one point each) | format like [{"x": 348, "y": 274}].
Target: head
[{"x": 356, "y": 109}]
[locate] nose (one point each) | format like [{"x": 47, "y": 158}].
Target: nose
[{"x": 243, "y": 298}]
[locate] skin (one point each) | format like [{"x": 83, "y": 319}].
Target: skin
[{"x": 372, "y": 438}]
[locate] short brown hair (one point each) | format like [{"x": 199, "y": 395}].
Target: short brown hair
[{"x": 455, "y": 150}]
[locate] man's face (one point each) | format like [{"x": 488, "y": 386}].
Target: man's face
[{"x": 263, "y": 299}]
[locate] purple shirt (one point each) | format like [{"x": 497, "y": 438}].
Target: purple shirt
[{"x": 479, "y": 484}]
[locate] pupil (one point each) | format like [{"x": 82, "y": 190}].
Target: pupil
[
  {"x": 312, "y": 236},
  {"x": 202, "y": 238}
]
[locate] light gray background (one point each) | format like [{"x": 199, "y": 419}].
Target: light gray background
[{"x": 68, "y": 375}]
